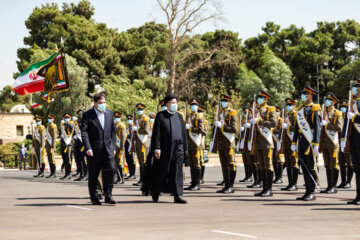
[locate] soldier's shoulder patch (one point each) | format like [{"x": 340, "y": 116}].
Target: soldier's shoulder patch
[
  {"x": 122, "y": 125},
  {"x": 338, "y": 113},
  {"x": 232, "y": 112},
  {"x": 146, "y": 119},
  {"x": 53, "y": 125},
  {"x": 315, "y": 107},
  {"x": 271, "y": 109}
]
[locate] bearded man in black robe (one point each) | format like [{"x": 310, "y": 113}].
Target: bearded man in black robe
[{"x": 169, "y": 148}]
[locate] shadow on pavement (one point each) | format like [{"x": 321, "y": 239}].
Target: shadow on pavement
[
  {"x": 51, "y": 198},
  {"x": 336, "y": 209}
]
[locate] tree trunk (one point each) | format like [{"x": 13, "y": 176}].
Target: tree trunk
[{"x": 171, "y": 80}]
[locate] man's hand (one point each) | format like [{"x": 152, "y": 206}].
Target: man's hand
[
  {"x": 324, "y": 123},
  {"x": 247, "y": 125},
  {"x": 188, "y": 126},
  {"x": 285, "y": 125},
  {"x": 293, "y": 148},
  {"x": 157, "y": 153},
  {"x": 134, "y": 128},
  {"x": 218, "y": 124},
  {"x": 316, "y": 150},
  {"x": 254, "y": 121},
  {"x": 90, "y": 153},
  {"x": 242, "y": 129},
  {"x": 342, "y": 145},
  {"x": 114, "y": 152}
]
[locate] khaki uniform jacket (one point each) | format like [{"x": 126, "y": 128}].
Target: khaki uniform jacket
[
  {"x": 41, "y": 133},
  {"x": 335, "y": 123},
  {"x": 230, "y": 119},
  {"x": 121, "y": 134},
  {"x": 206, "y": 129},
  {"x": 52, "y": 131},
  {"x": 267, "y": 118},
  {"x": 291, "y": 121},
  {"x": 143, "y": 124},
  {"x": 196, "y": 121}
]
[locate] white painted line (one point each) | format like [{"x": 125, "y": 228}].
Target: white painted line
[
  {"x": 78, "y": 207},
  {"x": 235, "y": 234}
]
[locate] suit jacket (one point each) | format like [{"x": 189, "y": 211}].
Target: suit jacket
[{"x": 94, "y": 136}]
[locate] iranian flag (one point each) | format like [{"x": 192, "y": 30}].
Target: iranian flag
[{"x": 29, "y": 81}]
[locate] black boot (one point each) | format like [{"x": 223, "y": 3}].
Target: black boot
[
  {"x": 329, "y": 180},
  {"x": 223, "y": 181},
  {"x": 279, "y": 167},
  {"x": 121, "y": 175},
  {"x": 356, "y": 201},
  {"x": 67, "y": 172},
  {"x": 342, "y": 176},
  {"x": 263, "y": 178},
  {"x": 140, "y": 182},
  {"x": 202, "y": 174},
  {"x": 192, "y": 179},
  {"x": 290, "y": 179},
  {"x": 311, "y": 196},
  {"x": 118, "y": 177},
  {"x": 307, "y": 187},
  {"x": 350, "y": 172},
  {"x": 226, "y": 174},
  {"x": 85, "y": 178},
  {"x": 334, "y": 178},
  {"x": 269, "y": 180},
  {"x": 294, "y": 176},
  {"x": 276, "y": 172},
  {"x": 52, "y": 171},
  {"x": 81, "y": 170},
  {"x": 230, "y": 189},
  {"x": 247, "y": 174},
  {"x": 178, "y": 199},
  {"x": 197, "y": 177},
  {"x": 257, "y": 178}
]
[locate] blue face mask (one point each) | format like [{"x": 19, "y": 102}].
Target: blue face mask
[
  {"x": 224, "y": 104},
  {"x": 67, "y": 120},
  {"x": 163, "y": 108},
  {"x": 117, "y": 119},
  {"x": 343, "y": 109},
  {"x": 328, "y": 103},
  {"x": 140, "y": 112},
  {"x": 194, "y": 108},
  {"x": 289, "y": 108},
  {"x": 49, "y": 120},
  {"x": 38, "y": 123},
  {"x": 260, "y": 100},
  {"x": 354, "y": 90},
  {"x": 129, "y": 122},
  {"x": 303, "y": 97},
  {"x": 174, "y": 107},
  {"x": 101, "y": 107}
]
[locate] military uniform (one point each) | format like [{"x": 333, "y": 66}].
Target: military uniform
[
  {"x": 80, "y": 155},
  {"x": 243, "y": 138},
  {"x": 265, "y": 119},
  {"x": 142, "y": 140},
  {"x": 38, "y": 142},
  {"x": 277, "y": 163},
  {"x": 345, "y": 163},
  {"x": 307, "y": 136},
  {"x": 67, "y": 131},
  {"x": 129, "y": 156},
  {"x": 202, "y": 149},
  {"x": 120, "y": 146},
  {"x": 291, "y": 163},
  {"x": 330, "y": 143},
  {"x": 195, "y": 131},
  {"x": 50, "y": 145},
  {"x": 227, "y": 129}
]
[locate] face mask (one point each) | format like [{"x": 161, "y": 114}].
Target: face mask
[
  {"x": 140, "y": 112},
  {"x": 49, "y": 120},
  {"x": 289, "y": 108},
  {"x": 101, "y": 107},
  {"x": 303, "y": 97},
  {"x": 328, "y": 102},
  {"x": 129, "y": 122},
  {"x": 117, "y": 119},
  {"x": 354, "y": 90},
  {"x": 224, "y": 104},
  {"x": 260, "y": 101},
  {"x": 151, "y": 120},
  {"x": 67, "y": 120},
  {"x": 174, "y": 107},
  {"x": 38, "y": 123},
  {"x": 343, "y": 109},
  {"x": 163, "y": 108},
  {"x": 194, "y": 108}
]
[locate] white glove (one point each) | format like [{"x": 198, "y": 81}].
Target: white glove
[
  {"x": 218, "y": 124},
  {"x": 150, "y": 134},
  {"x": 316, "y": 150},
  {"x": 134, "y": 128},
  {"x": 247, "y": 125},
  {"x": 249, "y": 146},
  {"x": 350, "y": 115},
  {"x": 62, "y": 121},
  {"x": 323, "y": 123},
  {"x": 188, "y": 126},
  {"x": 342, "y": 145},
  {"x": 242, "y": 142},
  {"x": 285, "y": 125},
  {"x": 74, "y": 118},
  {"x": 242, "y": 129},
  {"x": 254, "y": 120},
  {"x": 294, "y": 148}
]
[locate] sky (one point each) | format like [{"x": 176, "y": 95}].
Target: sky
[{"x": 245, "y": 17}]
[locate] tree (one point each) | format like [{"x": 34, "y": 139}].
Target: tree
[
  {"x": 183, "y": 16},
  {"x": 8, "y": 99}
]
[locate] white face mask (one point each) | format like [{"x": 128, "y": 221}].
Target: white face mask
[
  {"x": 117, "y": 119},
  {"x": 174, "y": 107}
]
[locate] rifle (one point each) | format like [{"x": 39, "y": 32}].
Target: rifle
[
  {"x": 213, "y": 142},
  {"x": 132, "y": 142},
  {"x": 240, "y": 123},
  {"x": 283, "y": 131},
  {"x": 186, "y": 113},
  {"x": 349, "y": 124},
  {"x": 253, "y": 129},
  {"x": 322, "y": 136}
]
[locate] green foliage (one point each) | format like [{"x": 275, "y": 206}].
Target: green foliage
[
  {"x": 9, "y": 151},
  {"x": 9, "y": 99}
]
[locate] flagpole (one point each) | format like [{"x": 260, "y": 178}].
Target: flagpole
[{"x": 67, "y": 76}]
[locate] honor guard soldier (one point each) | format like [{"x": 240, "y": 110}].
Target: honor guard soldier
[
  {"x": 244, "y": 136},
  {"x": 38, "y": 145},
  {"x": 129, "y": 156},
  {"x": 345, "y": 163},
  {"x": 277, "y": 163},
  {"x": 201, "y": 110},
  {"x": 227, "y": 128},
  {"x": 195, "y": 131},
  {"x": 151, "y": 116},
  {"x": 80, "y": 156},
  {"x": 120, "y": 146},
  {"x": 291, "y": 163},
  {"x": 306, "y": 141},
  {"x": 332, "y": 124},
  {"x": 50, "y": 145},
  {"x": 162, "y": 105},
  {"x": 142, "y": 140},
  {"x": 351, "y": 132},
  {"x": 264, "y": 119},
  {"x": 67, "y": 131}
]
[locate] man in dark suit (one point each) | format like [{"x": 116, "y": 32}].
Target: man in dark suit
[{"x": 99, "y": 137}]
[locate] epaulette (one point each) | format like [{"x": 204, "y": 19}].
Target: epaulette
[
  {"x": 146, "y": 119},
  {"x": 42, "y": 127},
  {"x": 232, "y": 112},
  {"x": 122, "y": 125},
  {"x": 338, "y": 113},
  {"x": 315, "y": 107},
  {"x": 53, "y": 125},
  {"x": 271, "y": 109}
]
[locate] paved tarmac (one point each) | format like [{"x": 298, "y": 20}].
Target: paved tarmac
[{"x": 54, "y": 209}]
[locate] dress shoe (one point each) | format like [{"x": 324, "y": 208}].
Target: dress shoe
[
  {"x": 179, "y": 199},
  {"x": 278, "y": 181},
  {"x": 255, "y": 185},
  {"x": 202, "y": 181},
  {"x": 310, "y": 197},
  {"x": 95, "y": 202},
  {"x": 66, "y": 177},
  {"x": 347, "y": 186},
  {"x": 221, "y": 191},
  {"x": 155, "y": 197},
  {"x": 139, "y": 183},
  {"x": 109, "y": 200},
  {"x": 267, "y": 193},
  {"x": 332, "y": 190},
  {"x": 259, "y": 194},
  {"x": 79, "y": 178},
  {"x": 221, "y": 183},
  {"x": 228, "y": 190},
  {"x": 292, "y": 188}
]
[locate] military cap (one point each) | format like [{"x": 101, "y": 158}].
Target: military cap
[
  {"x": 140, "y": 106},
  {"x": 201, "y": 108},
  {"x": 332, "y": 97},
  {"x": 117, "y": 114},
  {"x": 344, "y": 103},
  {"x": 225, "y": 97},
  {"x": 67, "y": 115},
  {"x": 129, "y": 116},
  {"x": 263, "y": 94},
  {"x": 194, "y": 101},
  {"x": 279, "y": 109},
  {"x": 290, "y": 101},
  {"x": 310, "y": 90},
  {"x": 37, "y": 118},
  {"x": 51, "y": 116}
]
